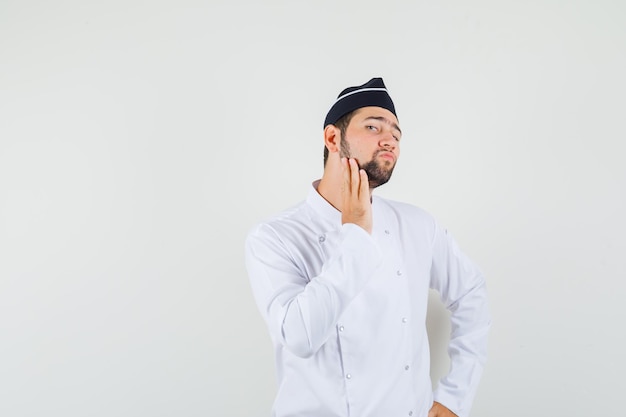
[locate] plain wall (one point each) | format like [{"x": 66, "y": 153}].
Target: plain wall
[{"x": 140, "y": 141}]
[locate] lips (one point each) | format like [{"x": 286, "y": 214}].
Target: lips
[{"x": 387, "y": 155}]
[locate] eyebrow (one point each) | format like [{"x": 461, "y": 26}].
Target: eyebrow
[{"x": 385, "y": 120}]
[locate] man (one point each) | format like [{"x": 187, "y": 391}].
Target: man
[{"x": 342, "y": 281}]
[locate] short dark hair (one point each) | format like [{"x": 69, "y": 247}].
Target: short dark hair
[{"x": 342, "y": 125}]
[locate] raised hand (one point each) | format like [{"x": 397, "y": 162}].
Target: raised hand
[{"x": 356, "y": 205}]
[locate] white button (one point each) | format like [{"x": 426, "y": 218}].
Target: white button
[
  {"x": 404, "y": 320},
  {"x": 322, "y": 239},
  {"x": 387, "y": 231},
  {"x": 406, "y": 368},
  {"x": 341, "y": 328},
  {"x": 410, "y": 413},
  {"x": 398, "y": 272},
  {"x": 348, "y": 376}
]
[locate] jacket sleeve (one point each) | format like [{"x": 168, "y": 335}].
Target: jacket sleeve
[
  {"x": 300, "y": 312},
  {"x": 462, "y": 289}
]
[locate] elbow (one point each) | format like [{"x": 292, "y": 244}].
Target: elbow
[
  {"x": 295, "y": 333},
  {"x": 298, "y": 344},
  {"x": 300, "y": 350}
]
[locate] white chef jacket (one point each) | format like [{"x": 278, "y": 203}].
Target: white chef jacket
[{"x": 346, "y": 310}]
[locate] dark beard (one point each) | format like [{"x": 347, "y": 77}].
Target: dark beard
[{"x": 377, "y": 174}]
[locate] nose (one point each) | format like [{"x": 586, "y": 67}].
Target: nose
[{"x": 388, "y": 141}]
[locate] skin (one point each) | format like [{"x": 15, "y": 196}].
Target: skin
[
  {"x": 373, "y": 135},
  {"x": 373, "y": 141},
  {"x": 440, "y": 410}
]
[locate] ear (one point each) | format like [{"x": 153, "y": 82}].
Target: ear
[{"x": 332, "y": 136}]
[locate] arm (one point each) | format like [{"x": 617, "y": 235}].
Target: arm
[
  {"x": 461, "y": 286},
  {"x": 301, "y": 314}
]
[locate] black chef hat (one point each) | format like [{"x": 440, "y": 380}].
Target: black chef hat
[{"x": 372, "y": 93}]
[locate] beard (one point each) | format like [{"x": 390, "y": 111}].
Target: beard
[{"x": 377, "y": 173}]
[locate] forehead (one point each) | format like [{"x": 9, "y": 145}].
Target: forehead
[{"x": 367, "y": 112}]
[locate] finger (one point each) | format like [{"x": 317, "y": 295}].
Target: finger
[
  {"x": 345, "y": 169},
  {"x": 347, "y": 183},
  {"x": 355, "y": 178},
  {"x": 364, "y": 188}
]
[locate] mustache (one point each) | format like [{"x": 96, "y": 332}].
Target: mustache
[{"x": 381, "y": 150}]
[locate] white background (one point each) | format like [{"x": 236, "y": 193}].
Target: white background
[{"x": 141, "y": 140}]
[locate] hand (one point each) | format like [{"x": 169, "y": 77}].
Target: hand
[
  {"x": 440, "y": 410},
  {"x": 356, "y": 206}
]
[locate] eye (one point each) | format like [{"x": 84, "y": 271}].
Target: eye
[{"x": 370, "y": 127}]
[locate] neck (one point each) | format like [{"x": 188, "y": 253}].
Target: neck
[{"x": 331, "y": 184}]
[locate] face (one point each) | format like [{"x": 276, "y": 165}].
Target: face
[{"x": 373, "y": 139}]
